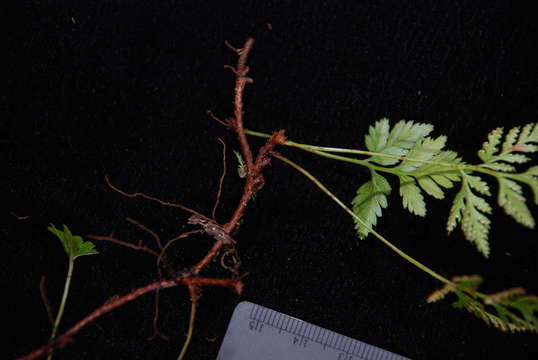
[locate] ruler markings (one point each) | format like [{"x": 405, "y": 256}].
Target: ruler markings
[
  {"x": 340, "y": 344},
  {"x": 269, "y": 317},
  {"x": 347, "y": 345},
  {"x": 300, "y": 332},
  {"x": 289, "y": 325},
  {"x": 280, "y": 322},
  {"x": 329, "y": 338},
  {"x": 316, "y": 336},
  {"x": 324, "y": 335},
  {"x": 285, "y": 323},
  {"x": 307, "y": 332},
  {"x": 336, "y": 341},
  {"x": 354, "y": 347},
  {"x": 273, "y": 316}
]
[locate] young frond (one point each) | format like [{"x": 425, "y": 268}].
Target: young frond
[
  {"x": 371, "y": 198},
  {"x": 511, "y": 310},
  {"x": 516, "y": 141},
  {"x": 397, "y": 142},
  {"x": 469, "y": 209}
]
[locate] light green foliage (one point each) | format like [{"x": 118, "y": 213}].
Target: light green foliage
[
  {"x": 426, "y": 167},
  {"x": 370, "y": 199},
  {"x": 516, "y": 141},
  {"x": 396, "y": 142},
  {"x": 510, "y": 195},
  {"x": 74, "y": 246},
  {"x": 470, "y": 209},
  {"x": 511, "y": 199},
  {"x": 509, "y": 310},
  {"x": 422, "y": 165},
  {"x": 411, "y": 197}
]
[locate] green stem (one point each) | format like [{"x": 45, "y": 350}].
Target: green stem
[
  {"x": 326, "y": 152},
  {"x": 189, "y": 332},
  {"x": 62, "y": 303},
  {"x": 350, "y": 212}
]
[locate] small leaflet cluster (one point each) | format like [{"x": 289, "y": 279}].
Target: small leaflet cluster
[
  {"x": 407, "y": 140},
  {"x": 471, "y": 209},
  {"x": 422, "y": 165},
  {"x": 510, "y": 310}
]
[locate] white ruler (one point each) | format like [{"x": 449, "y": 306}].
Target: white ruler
[{"x": 256, "y": 332}]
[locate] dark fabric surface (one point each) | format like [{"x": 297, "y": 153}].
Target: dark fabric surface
[{"x": 121, "y": 89}]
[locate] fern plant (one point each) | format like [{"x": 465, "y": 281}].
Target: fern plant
[{"x": 424, "y": 167}]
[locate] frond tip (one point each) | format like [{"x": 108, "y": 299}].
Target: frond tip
[
  {"x": 517, "y": 141},
  {"x": 510, "y": 310}
]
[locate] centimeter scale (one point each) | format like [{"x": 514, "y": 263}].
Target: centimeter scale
[{"x": 256, "y": 332}]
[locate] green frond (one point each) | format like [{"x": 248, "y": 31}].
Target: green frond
[
  {"x": 490, "y": 146},
  {"x": 412, "y": 199},
  {"x": 371, "y": 198},
  {"x": 502, "y": 167},
  {"x": 397, "y": 142},
  {"x": 510, "y": 139},
  {"x": 424, "y": 149},
  {"x": 430, "y": 177},
  {"x": 515, "y": 158},
  {"x": 456, "y": 210},
  {"x": 517, "y": 140},
  {"x": 469, "y": 209},
  {"x": 528, "y": 134},
  {"x": 428, "y": 184},
  {"x": 511, "y": 199},
  {"x": 478, "y": 184}
]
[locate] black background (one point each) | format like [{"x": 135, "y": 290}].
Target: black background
[{"x": 121, "y": 88}]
